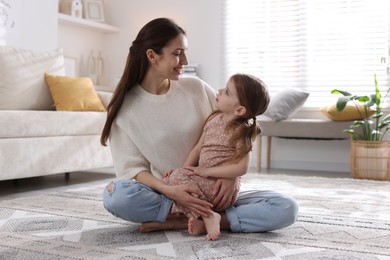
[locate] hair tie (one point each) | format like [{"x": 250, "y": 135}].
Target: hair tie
[{"x": 254, "y": 120}]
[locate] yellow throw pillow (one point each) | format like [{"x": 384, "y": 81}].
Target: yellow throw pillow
[
  {"x": 351, "y": 112},
  {"x": 73, "y": 93}
]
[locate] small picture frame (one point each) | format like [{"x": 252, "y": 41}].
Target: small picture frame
[
  {"x": 93, "y": 10},
  {"x": 70, "y": 66}
]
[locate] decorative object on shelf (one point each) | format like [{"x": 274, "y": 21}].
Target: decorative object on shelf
[
  {"x": 5, "y": 7},
  {"x": 6, "y": 20},
  {"x": 92, "y": 67},
  {"x": 370, "y": 155},
  {"x": 100, "y": 68},
  {"x": 3, "y": 32},
  {"x": 72, "y": 7},
  {"x": 93, "y": 10}
]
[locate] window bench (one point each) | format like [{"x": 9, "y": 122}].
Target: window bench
[{"x": 323, "y": 129}]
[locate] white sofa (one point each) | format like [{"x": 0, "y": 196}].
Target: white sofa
[{"x": 35, "y": 139}]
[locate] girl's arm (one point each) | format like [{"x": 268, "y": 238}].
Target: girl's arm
[
  {"x": 232, "y": 170},
  {"x": 193, "y": 157}
]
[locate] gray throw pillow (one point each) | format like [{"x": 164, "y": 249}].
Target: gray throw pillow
[{"x": 285, "y": 103}]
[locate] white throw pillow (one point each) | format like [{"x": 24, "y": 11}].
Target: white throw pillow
[
  {"x": 22, "y": 82},
  {"x": 285, "y": 103}
]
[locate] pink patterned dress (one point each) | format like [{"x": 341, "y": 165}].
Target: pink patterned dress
[{"x": 215, "y": 151}]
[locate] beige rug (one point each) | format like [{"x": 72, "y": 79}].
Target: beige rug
[{"x": 339, "y": 219}]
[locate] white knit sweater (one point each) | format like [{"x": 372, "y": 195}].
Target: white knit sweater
[{"x": 156, "y": 132}]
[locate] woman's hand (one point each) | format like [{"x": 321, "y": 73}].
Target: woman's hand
[
  {"x": 189, "y": 197},
  {"x": 186, "y": 196},
  {"x": 226, "y": 191}
]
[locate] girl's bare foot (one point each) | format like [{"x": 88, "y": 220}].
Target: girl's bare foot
[
  {"x": 212, "y": 226},
  {"x": 209, "y": 225}
]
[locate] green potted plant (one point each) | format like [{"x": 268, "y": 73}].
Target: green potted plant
[{"x": 370, "y": 157}]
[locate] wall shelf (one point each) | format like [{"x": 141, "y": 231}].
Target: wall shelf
[{"x": 88, "y": 24}]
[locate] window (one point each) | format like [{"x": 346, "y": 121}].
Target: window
[{"x": 316, "y": 45}]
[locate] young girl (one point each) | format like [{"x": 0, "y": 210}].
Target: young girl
[{"x": 223, "y": 150}]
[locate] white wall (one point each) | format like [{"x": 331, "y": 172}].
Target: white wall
[
  {"x": 32, "y": 24},
  {"x": 201, "y": 19}
]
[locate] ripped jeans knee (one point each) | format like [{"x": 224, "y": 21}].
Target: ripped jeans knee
[
  {"x": 110, "y": 187},
  {"x": 134, "y": 201}
]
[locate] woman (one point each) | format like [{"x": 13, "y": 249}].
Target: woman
[{"x": 154, "y": 119}]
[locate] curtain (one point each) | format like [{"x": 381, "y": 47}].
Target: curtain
[{"x": 314, "y": 45}]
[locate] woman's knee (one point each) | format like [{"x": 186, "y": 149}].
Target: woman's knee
[
  {"x": 110, "y": 202},
  {"x": 290, "y": 211},
  {"x": 110, "y": 187},
  {"x": 134, "y": 201},
  {"x": 263, "y": 211}
]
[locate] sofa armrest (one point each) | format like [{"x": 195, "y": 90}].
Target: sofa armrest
[{"x": 105, "y": 97}]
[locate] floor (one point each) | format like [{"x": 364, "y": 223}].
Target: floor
[{"x": 29, "y": 186}]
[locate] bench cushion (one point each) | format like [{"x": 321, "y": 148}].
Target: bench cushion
[{"x": 304, "y": 128}]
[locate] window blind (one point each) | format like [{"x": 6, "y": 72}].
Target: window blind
[{"x": 315, "y": 45}]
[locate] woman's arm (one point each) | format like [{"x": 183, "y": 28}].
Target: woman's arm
[
  {"x": 232, "y": 170},
  {"x": 130, "y": 163}
]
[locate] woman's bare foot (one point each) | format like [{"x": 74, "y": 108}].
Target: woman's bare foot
[
  {"x": 169, "y": 224},
  {"x": 196, "y": 226},
  {"x": 209, "y": 225}
]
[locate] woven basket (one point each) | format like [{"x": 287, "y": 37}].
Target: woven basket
[{"x": 370, "y": 160}]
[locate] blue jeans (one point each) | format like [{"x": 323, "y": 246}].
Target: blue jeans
[{"x": 254, "y": 211}]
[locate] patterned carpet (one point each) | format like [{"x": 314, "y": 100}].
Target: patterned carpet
[{"x": 339, "y": 219}]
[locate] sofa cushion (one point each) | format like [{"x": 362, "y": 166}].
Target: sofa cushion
[
  {"x": 22, "y": 82},
  {"x": 73, "y": 93},
  {"x": 30, "y": 123},
  {"x": 285, "y": 103}
]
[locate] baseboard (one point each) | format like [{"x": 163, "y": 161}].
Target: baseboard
[{"x": 307, "y": 166}]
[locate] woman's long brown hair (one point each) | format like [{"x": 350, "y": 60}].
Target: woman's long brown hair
[{"x": 155, "y": 35}]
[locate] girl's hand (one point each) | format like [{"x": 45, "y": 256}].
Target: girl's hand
[
  {"x": 197, "y": 171},
  {"x": 226, "y": 191},
  {"x": 167, "y": 173},
  {"x": 181, "y": 194}
]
